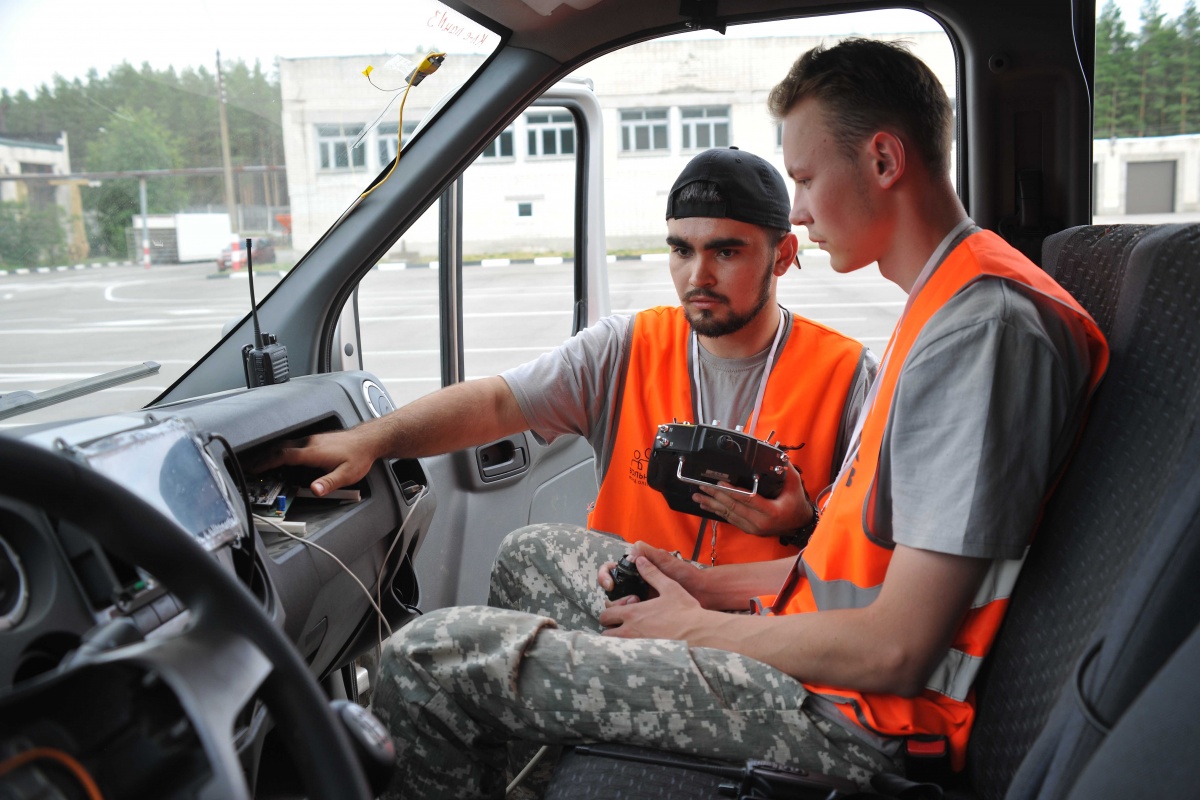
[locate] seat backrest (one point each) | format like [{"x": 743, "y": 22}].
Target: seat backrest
[
  {"x": 1152, "y": 750},
  {"x": 1156, "y": 607},
  {"x": 1089, "y": 262},
  {"x": 1092, "y": 528}
]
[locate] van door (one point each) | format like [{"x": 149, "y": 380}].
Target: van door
[{"x": 509, "y": 263}]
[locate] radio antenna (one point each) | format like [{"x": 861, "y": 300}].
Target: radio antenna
[{"x": 258, "y": 337}]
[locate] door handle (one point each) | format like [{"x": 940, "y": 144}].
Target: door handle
[{"x": 502, "y": 459}]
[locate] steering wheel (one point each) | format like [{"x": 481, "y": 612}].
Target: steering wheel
[{"x": 230, "y": 650}]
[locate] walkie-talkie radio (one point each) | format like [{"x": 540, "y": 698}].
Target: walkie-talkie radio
[
  {"x": 685, "y": 456},
  {"x": 266, "y": 360}
]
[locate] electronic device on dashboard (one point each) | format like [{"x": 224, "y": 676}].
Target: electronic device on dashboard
[
  {"x": 165, "y": 464},
  {"x": 685, "y": 456}
]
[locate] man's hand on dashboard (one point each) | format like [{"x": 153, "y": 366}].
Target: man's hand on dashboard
[
  {"x": 757, "y": 515},
  {"x": 347, "y": 455}
]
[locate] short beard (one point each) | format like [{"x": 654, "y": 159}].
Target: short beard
[{"x": 705, "y": 324}]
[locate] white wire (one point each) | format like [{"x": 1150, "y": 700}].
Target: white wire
[
  {"x": 383, "y": 567},
  {"x": 528, "y": 768},
  {"x": 337, "y": 560}
]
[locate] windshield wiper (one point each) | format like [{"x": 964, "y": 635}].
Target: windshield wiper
[{"x": 20, "y": 402}]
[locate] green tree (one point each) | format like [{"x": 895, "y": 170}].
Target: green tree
[
  {"x": 185, "y": 103},
  {"x": 1153, "y": 65},
  {"x": 1188, "y": 88},
  {"x": 132, "y": 140},
  {"x": 1115, "y": 90},
  {"x": 30, "y": 236}
]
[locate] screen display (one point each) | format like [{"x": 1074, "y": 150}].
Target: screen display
[{"x": 165, "y": 465}]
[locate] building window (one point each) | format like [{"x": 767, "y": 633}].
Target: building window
[
  {"x": 334, "y": 141},
  {"x": 705, "y": 127},
  {"x": 643, "y": 129},
  {"x": 524, "y": 209},
  {"x": 550, "y": 133},
  {"x": 387, "y": 139},
  {"x": 501, "y": 146}
]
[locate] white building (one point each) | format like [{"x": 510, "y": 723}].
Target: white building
[
  {"x": 50, "y": 155},
  {"x": 1151, "y": 179},
  {"x": 663, "y": 101},
  {"x": 26, "y": 155}
]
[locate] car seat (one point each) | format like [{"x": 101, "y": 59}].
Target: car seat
[{"x": 1091, "y": 534}]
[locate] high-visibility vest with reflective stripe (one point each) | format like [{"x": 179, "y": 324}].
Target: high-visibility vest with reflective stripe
[
  {"x": 803, "y": 404},
  {"x": 844, "y": 566}
]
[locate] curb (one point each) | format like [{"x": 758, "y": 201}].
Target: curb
[
  {"x": 241, "y": 273},
  {"x": 63, "y": 268},
  {"x": 539, "y": 261},
  {"x": 387, "y": 266}
]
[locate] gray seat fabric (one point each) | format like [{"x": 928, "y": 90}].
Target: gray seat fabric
[
  {"x": 1152, "y": 750},
  {"x": 1090, "y": 262},
  {"x": 1156, "y": 607},
  {"x": 1093, "y": 528},
  {"x": 595, "y": 777}
]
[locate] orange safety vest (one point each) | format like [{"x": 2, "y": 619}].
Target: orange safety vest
[
  {"x": 844, "y": 567},
  {"x": 803, "y": 404}
]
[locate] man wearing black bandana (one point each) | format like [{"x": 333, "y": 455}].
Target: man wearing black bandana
[{"x": 728, "y": 355}]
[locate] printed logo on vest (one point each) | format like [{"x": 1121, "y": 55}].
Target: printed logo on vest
[{"x": 637, "y": 467}]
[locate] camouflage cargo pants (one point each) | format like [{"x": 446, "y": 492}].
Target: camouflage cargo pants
[{"x": 458, "y": 684}]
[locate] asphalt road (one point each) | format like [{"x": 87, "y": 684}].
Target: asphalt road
[{"x": 63, "y": 326}]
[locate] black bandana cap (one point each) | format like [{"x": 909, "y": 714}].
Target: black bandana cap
[{"x": 753, "y": 189}]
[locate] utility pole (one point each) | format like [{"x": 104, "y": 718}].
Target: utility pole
[
  {"x": 227, "y": 162},
  {"x": 145, "y": 222}
]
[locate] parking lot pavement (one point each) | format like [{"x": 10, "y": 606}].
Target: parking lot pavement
[{"x": 62, "y": 326}]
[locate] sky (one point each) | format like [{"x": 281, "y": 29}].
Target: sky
[{"x": 39, "y": 38}]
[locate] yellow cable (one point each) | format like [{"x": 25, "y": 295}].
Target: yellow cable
[
  {"x": 428, "y": 66},
  {"x": 399, "y": 142},
  {"x": 37, "y": 753}
]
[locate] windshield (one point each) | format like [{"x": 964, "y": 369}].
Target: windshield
[
  {"x": 140, "y": 148},
  {"x": 141, "y": 145}
]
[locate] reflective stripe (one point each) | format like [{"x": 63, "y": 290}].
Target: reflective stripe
[
  {"x": 997, "y": 584},
  {"x": 954, "y": 675},
  {"x": 956, "y": 672},
  {"x": 841, "y": 593},
  {"x": 999, "y": 581},
  {"x": 827, "y": 707}
]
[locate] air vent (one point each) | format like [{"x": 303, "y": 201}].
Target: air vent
[
  {"x": 14, "y": 588},
  {"x": 377, "y": 399}
]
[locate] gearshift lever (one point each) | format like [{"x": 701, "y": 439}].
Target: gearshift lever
[{"x": 371, "y": 740}]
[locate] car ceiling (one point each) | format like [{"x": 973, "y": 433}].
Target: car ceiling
[{"x": 564, "y": 29}]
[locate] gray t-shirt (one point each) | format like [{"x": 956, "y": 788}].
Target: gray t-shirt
[
  {"x": 986, "y": 410},
  {"x": 573, "y": 388}
]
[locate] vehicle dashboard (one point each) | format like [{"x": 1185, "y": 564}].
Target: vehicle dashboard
[{"x": 189, "y": 459}]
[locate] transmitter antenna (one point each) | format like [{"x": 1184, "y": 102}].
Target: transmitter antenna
[{"x": 258, "y": 338}]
